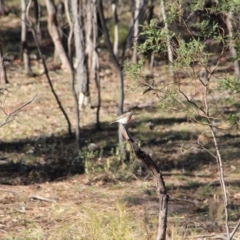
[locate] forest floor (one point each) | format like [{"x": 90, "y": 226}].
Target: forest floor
[{"x": 45, "y": 195}]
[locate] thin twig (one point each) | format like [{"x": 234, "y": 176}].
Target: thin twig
[
  {"x": 235, "y": 229},
  {"x": 12, "y": 114},
  {"x": 221, "y": 175}
]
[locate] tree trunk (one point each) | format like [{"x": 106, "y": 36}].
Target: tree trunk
[
  {"x": 96, "y": 62},
  {"x": 75, "y": 97},
  {"x": 81, "y": 69},
  {"x": 113, "y": 57},
  {"x": 54, "y": 33},
  {"x": 118, "y": 69},
  {"x": 232, "y": 44},
  {"x": 70, "y": 35},
  {"x": 3, "y": 73},
  {"x": 25, "y": 51},
  {"x": 91, "y": 29},
  {"x": 170, "y": 53},
  {"x": 116, "y": 35},
  {"x": 2, "y": 11},
  {"x": 37, "y": 13},
  {"x": 138, "y": 19}
]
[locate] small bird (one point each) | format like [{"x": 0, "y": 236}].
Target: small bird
[{"x": 124, "y": 119}]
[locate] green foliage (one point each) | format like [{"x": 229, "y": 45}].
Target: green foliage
[
  {"x": 206, "y": 28},
  {"x": 188, "y": 53},
  {"x": 233, "y": 118},
  {"x": 122, "y": 32},
  {"x": 154, "y": 38},
  {"x": 134, "y": 69},
  {"x": 230, "y": 83},
  {"x": 196, "y": 5},
  {"x": 174, "y": 10},
  {"x": 237, "y": 48},
  {"x": 169, "y": 98}
]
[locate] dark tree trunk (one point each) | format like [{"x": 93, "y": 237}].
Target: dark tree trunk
[
  {"x": 37, "y": 13},
  {"x": 3, "y": 73},
  {"x": 2, "y": 11}
]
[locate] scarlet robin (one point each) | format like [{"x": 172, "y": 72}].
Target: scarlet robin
[{"x": 124, "y": 118}]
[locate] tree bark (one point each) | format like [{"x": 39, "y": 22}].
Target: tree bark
[
  {"x": 138, "y": 19},
  {"x": 169, "y": 48},
  {"x": 37, "y": 13},
  {"x": 118, "y": 70},
  {"x": 116, "y": 34},
  {"x": 75, "y": 97},
  {"x": 3, "y": 73},
  {"x": 81, "y": 69},
  {"x": 25, "y": 51},
  {"x": 113, "y": 57},
  {"x": 70, "y": 35},
  {"x": 55, "y": 35},
  {"x": 232, "y": 44},
  {"x": 91, "y": 28},
  {"x": 2, "y": 11}
]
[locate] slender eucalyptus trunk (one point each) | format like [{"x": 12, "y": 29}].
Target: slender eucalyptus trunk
[
  {"x": 116, "y": 35},
  {"x": 114, "y": 59},
  {"x": 37, "y": 13},
  {"x": 91, "y": 28},
  {"x": 137, "y": 13},
  {"x": 25, "y": 50},
  {"x": 3, "y": 73},
  {"x": 75, "y": 97},
  {"x": 70, "y": 35},
  {"x": 232, "y": 44},
  {"x": 2, "y": 11},
  {"x": 169, "y": 48},
  {"x": 81, "y": 69},
  {"x": 118, "y": 68}
]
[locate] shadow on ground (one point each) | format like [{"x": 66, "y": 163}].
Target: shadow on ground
[{"x": 52, "y": 158}]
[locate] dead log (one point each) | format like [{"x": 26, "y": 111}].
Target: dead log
[{"x": 160, "y": 185}]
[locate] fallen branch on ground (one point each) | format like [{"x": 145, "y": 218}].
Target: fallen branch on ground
[{"x": 42, "y": 198}]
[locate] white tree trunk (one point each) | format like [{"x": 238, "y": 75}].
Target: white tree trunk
[
  {"x": 170, "y": 53},
  {"x": 138, "y": 6},
  {"x": 116, "y": 34},
  {"x": 81, "y": 70},
  {"x": 25, "y": 52},
  {"x": 169, "y": 48}
]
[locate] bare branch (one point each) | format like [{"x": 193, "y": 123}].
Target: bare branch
[
  {"x": 13, "y": 114},
  {"x": 160, "y": 188}
]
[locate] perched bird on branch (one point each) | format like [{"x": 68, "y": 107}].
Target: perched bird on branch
[{"x": 124, "y": 118}]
